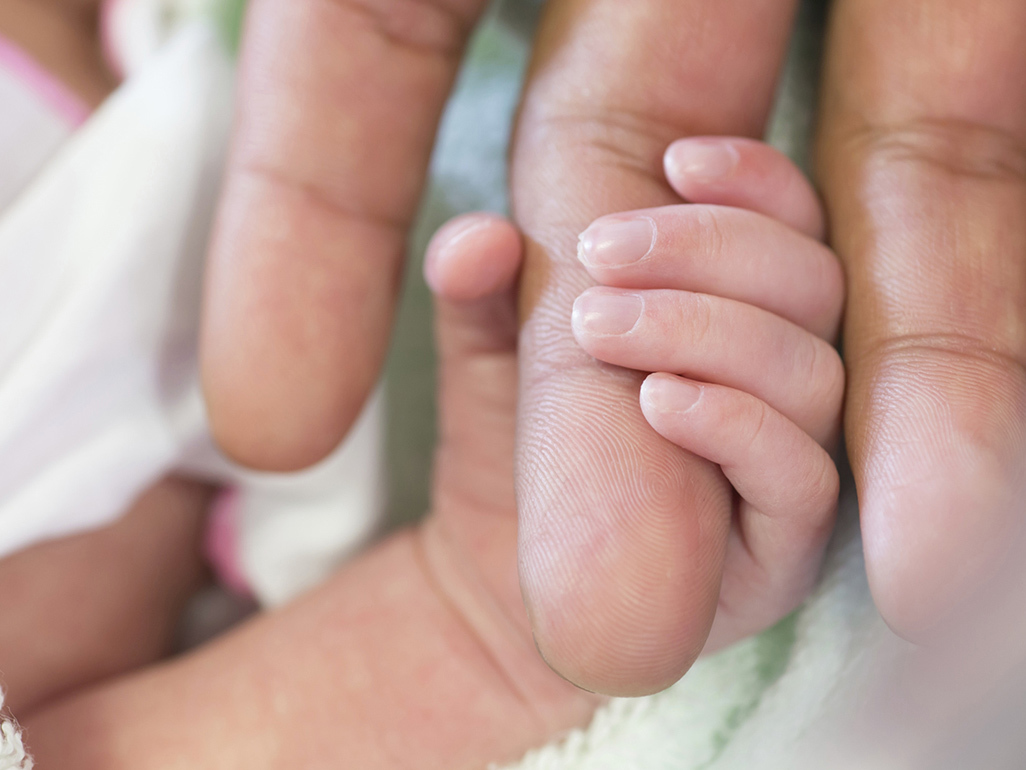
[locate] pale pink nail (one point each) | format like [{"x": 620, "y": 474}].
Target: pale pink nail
[
  {"x": 701, "y": 160},
  {"x": 670, "y": 395},
  {"x": 616, "y": 242},
  {"x": 599, "y": 314}
]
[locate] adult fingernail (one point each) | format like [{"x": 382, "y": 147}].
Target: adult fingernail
[
  {"x": 616, "y": 242},
  {"x": 701, "y": 161},
  {"x": 670, "y": 394},
  {"x": 602, "y": 314}
]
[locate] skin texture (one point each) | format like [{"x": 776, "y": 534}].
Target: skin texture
[
  {"x": 924, "y": 170},
  {"x": 339, "y": 104},
  {"x": 623, "y": 536},
  {"x": 922, "y": 167},
  {"x": 736, "y": 314},
  {"x": 86, "y": 608},
  {"x": 435, "y": 612},
  {"x": 315, "y": 216},
  {"x": 418, "y": 654}
]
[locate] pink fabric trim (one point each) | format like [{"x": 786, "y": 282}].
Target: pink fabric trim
[
  {"x": 46, "y": 85},
  {"x": 222, "y": 543}
]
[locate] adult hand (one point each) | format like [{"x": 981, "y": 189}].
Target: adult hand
[
  {"x": 924, "y": 168},
  {"x": 339, "y": 102},
  {"x": 623, "y": 536}
]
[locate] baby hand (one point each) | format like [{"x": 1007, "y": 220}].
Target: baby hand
[{"x": 733, "y": 302}]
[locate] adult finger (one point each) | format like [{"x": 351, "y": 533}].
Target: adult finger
[
  {"x": 622, "y": 535},
  {"x": 338, "y": 109},
  {"x": 924, "y": 171}
]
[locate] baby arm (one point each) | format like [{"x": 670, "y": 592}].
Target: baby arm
[
  {"x": 416, "y": 654},
  {"x": 83, "y": 608},
  {"x": 339, "y": 103},
  {"x": 92, "y": 606}
]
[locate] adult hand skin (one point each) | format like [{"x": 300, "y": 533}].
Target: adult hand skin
[
  {"x": 417, "y": 654},
  {"x": 623, "y": 536},
  {"x": 338, "y": 107},
  {"x": 923, "y": 162}
]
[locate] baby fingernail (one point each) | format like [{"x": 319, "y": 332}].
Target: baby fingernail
[
  {"x": 670, "y": 394},
  {"x": 615, "y": 242},
  {"x": 701, "y": 161},
  {"x": 605, "y": 315}
]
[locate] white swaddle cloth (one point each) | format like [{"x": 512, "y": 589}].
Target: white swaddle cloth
[
  {"x": 38, "y": 117},
  {"x": 101, "y": 259},
  {"x": 12, "y": 747}
]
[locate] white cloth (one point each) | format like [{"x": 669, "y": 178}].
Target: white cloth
[
  {"x": 12, "y": 748},
  {"x": 33, "y": 128},
  {"x": 101, "y": 260}
]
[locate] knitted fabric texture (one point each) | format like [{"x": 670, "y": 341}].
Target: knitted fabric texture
[{"x": 12, "y": 749}]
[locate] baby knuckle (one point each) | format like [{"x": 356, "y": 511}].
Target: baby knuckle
[
  {"x": 709, "y": 231},
  {"x": 806, "y": 365},
  {"x": 824, "y": 485},
  {"x": 753, "y": 415},
  {"x": 695, "y": 315},
  {"x": 831, "y": 378},
  {"x": 818, "y": 367}
]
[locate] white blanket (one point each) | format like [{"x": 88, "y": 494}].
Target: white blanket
[
  {"x": 12, "y": 748},
  {"x": 101, "y": 261}
]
